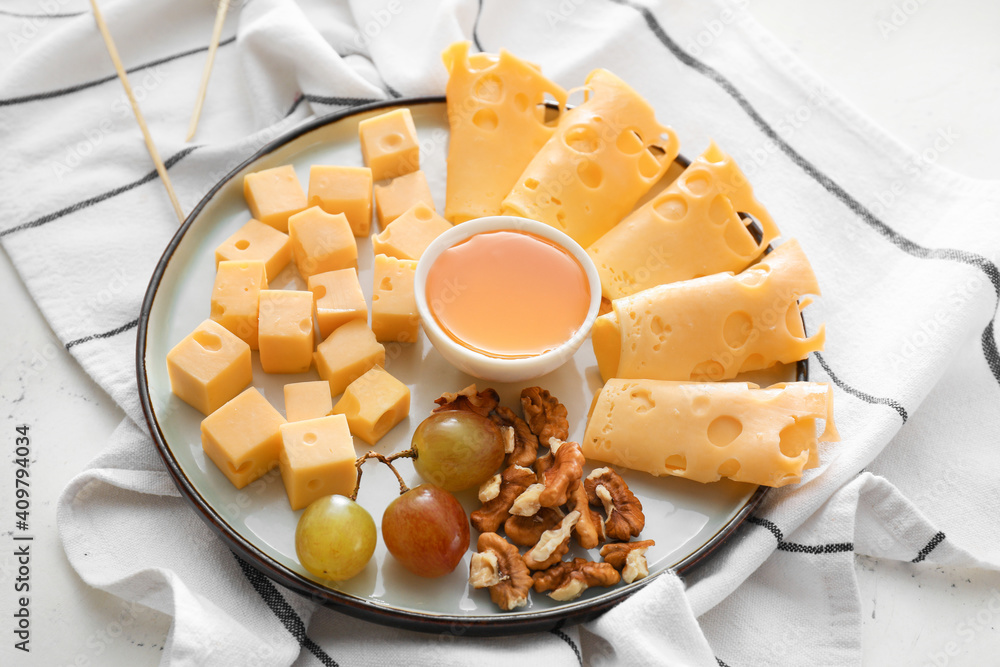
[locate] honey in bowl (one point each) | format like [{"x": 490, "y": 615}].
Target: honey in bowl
[{"x": 508, "y": 294}]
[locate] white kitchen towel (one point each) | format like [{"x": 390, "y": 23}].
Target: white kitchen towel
[{"x": 905, "y": 251}]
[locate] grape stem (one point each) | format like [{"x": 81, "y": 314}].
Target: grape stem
[{"x": 406, "y": 453}]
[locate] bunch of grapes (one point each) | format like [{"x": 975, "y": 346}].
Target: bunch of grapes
[{"x": 425, "y": 528}]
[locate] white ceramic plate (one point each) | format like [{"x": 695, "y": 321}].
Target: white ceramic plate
[{"x": 686, "y": 519}]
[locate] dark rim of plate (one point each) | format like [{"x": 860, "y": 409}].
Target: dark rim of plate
[{"x": 494, "y": 625}]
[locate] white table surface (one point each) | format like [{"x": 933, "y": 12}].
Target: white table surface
[{"x": 913, "y": 66}]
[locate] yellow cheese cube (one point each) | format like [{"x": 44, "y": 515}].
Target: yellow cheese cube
[
  {"x": 338, "y": 299},
  {"x": 394, "y": 304},
  {"x": 389, "y": 144},
  {"x": 255, "y": 240},
  {"x": 285, "y": 331},
  {"x": 373, "y": 404},
  {"x": 317, "y": 459},
  {"x": 346, "y": 190},
  {"x": 410, "y": 234},
  {"x": 395, "y": 198},
  {"x": 322, "y": 242},
  {"x": 209, "y": 366},
  {"x": 235, "y": 297},
  {"x": 347, "y": 354},
  {"x": 242, "y": 437},
  {"x": 273, "y": 195},
  {"x": 307, "y": 400}
]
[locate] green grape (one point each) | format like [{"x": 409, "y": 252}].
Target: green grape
[
  {"x": 457, "y": 449},
  {"x": 426, "y": 530},
  {"x": 335, "y": 538}
]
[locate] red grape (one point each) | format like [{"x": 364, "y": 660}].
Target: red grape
[{"x": 426, "y": 530}]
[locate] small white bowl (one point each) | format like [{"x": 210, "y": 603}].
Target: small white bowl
[{"x": 493, "y": 368}]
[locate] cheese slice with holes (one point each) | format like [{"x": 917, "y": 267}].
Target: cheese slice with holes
[
  {"x": 604, "y": 155},
  {"x": 712, "y": 328},
  {"x": 691, "y": 229},
  {"x": 705, "y": 432},
  {"x": 497, "y": 117}
]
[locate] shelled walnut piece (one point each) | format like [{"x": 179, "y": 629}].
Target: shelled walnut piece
[
  {"x": 629, "y": 558},
  {"x": 498, "y": 565},
  {"x": 495, "y": 510},
  {"x": 526, "y": 504},
  {"x": 525, "y": 442},
  {"x": 565, "y": 471},
  {"x": 624, "y": 518},
  {"x": 525, "y": 531},
  {"x": 552, "y": 545},
  {"x": 546, "y": 416},
  {"x": 481, "y": 402},
  {"x": 569, "y": 579},
  {"x": 589, "y": 531}
]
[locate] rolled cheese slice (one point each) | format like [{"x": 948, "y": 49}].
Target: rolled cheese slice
[
  {"x": 497, "y": 117},
  {"x": 691, "y": 229},
  {"x": 705, "y": 432},
  {"x": 605, "y": 154},
  {"x": 712, "y": 328}
]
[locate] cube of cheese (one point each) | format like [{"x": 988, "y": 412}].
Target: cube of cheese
[
  {"x": 285, "y": 331},
  {"x": 255, "y": 240},
  {"x": 410, "y": 234},
  {"x": 347, "y": 353},
  {"x": 307, "y": 400},
  {"x": 373, "y": 404},
  {"x": 346, "y": 190},
  {"x": 317, "y": 459},
  {"x": 273, "y": 195},
  {"x": 337, "y": 298},
  {"x": 235, "y": 296},
  {"x": 395, "y": 198},
  {"x": 389, "y": 144},
  {"x": 243, "y": 438},
  {"x": 394, "y": 304},
  {"x": 322, "y": 242},
  {"x": 209, "y": 366}
]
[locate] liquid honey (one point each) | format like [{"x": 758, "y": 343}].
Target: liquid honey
[{"x": 508, "y": 294}]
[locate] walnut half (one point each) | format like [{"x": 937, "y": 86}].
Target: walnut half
[
  {"x": 498, "y": 565},
  {"x": 589, "y": 531},
  {"x": 552, "y": 545},
  {"x": 569, "y": 579},
  {"x": 495, "y": 510},
  {"x": 565, "y": 471},
  {"x": 525, "y": 443},
  {"x": 625, "y": 519},
  {"x": 481, "y": 402},
  {"x": 629, "y": 558},
  {"x": 527, "y": 530},
  {"x": 546, "y": 416}
]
